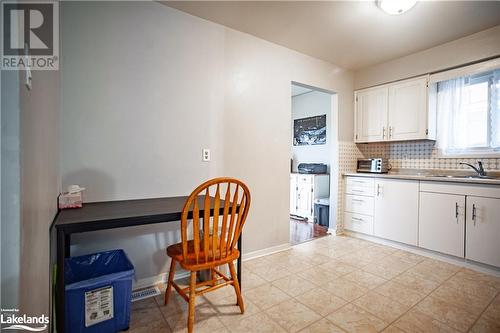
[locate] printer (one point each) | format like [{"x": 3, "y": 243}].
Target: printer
[{"x": 315, "y": 168}]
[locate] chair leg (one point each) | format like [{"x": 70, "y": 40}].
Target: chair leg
[
  {"x": 171, "y": 273},
  {"x": 192, "y": 298},
  {"x": 236, "y": 286}
]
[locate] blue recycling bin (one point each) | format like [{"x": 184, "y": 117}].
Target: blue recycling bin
[{"x": 98, "y": 290}]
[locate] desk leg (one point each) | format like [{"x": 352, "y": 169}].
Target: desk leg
[
  {"x": 239, "y": 261},
  {"x": 61, "y": 254}
]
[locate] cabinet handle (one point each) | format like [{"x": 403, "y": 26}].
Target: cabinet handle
[
  {"x": 383, "y": 132},
  {"x": 390, "y": 132},
  {"x": 358, "y": 200},
  {"x": 357, "y": 219},
  {"x": 474, "y": 213},
  {"x": 456, "y": 211},
  {"x": 360, "y": 191},
  {"x": 378, "y": 190}
]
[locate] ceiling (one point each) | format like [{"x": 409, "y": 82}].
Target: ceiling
[{"x": 350, "y": 34}]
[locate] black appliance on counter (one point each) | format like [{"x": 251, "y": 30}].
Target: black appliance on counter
[{"x": 315, "y": 168}]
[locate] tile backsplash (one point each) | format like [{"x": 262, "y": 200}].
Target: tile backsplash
[{"x": 419, "y": 155}]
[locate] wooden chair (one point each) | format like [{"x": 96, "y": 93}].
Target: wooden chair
[{"x": 212, "y": 243}]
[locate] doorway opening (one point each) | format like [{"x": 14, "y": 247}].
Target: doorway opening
[{"x": 311, "y": 150}]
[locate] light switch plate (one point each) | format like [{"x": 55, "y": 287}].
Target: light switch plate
[{"x": 206, "y": 155}]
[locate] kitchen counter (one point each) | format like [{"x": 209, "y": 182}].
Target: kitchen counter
[{"x": 432, "y": 175}]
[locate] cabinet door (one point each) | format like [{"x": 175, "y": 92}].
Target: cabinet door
[
  {"x": 396, "y": 210},
  {"x": 304, "y": 195},
  {"x": 408, "y": 110},
  {"x": 482, "y": 239},
  {"x": 442, "y": 223},
  {"x": 371, "y": 114},
  {"x": 293, "y": 194}
]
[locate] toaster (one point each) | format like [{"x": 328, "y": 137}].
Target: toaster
[{"x": 373, "y": 165}]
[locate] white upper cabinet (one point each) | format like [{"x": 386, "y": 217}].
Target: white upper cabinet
[
  {"x": 408, "y": 110},
  {"x": 394, "y": 112},
  {"x": 371, "y": 114}
]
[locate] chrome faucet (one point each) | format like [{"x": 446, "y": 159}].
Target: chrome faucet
[{"x": 480, "y": 170}]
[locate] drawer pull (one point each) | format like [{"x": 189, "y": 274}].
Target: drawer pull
[
  {"x": 456, "y": 211},
  {"x": 358, "y": 200},
  {"x": 357, "y": 219},
  {"x": 474, "y": 213}
]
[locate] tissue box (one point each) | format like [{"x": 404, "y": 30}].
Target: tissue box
[{"x": 70, "y": 200}]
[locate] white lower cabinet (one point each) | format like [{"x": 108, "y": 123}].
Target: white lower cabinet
[
  {"x": 441, "y": 223},
  {"x": 482, "y": 236},
  {"x": 396, "y": 210}
]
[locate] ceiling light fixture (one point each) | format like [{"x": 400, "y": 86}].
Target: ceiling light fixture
[{"x": 396, "y": 7}]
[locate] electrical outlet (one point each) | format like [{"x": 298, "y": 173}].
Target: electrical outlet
[{"x": 206, "y": 155}]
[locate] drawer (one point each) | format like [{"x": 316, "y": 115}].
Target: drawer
[
  {"x": 358, "y": 223},
  {"x": 360, "y": 186},
  {"x": 359, "y": 204}
]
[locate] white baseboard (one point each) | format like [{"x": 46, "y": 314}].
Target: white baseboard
[
  {"x": 153, "y": 280},
  {"x": 265, "y": 252},
  {"x": 162, "y": 278},
  {"x": 462, "y": 262}
]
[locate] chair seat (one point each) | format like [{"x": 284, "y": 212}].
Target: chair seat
[{"x": 190, "y": 263}]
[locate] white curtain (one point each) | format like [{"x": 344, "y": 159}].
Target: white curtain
[
  {"x": 452, "y": 101},
  {"x": 449, "y": 102}
]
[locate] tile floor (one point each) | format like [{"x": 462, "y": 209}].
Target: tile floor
[{"x": 339, "y": 284}]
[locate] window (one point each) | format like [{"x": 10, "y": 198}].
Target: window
[{"x": 468, "y": 111}]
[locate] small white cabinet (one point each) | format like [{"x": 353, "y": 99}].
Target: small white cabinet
[
  {"x": 371, "y": 114},
  {"x": 304, "y": 189},
  {"x": 394, "y": 112},
  {"x": 482, "y": 238},
  {"x": 359, "y": 201},
  {"x": 396, "y": 210},
  {"x": 442, "y": 219}
]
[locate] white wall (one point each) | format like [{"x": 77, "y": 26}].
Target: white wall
[
  {"x": 40, "y": 185},
  {"x": 481, "y": 45},
  {"x": 146, "y": 87},
  {"x": 10, "y": 190},
  {"x": 315, "y": 103}
]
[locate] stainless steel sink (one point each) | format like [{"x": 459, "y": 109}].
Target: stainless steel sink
[{"x": 464, "y": 177}]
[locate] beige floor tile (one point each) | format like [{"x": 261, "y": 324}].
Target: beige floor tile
[
  {"x": 416, "y": 282},
  {"x": 317, "y": 275},
  {"x": 430, "y": 272},
  {"x": 293, "y": 285},
  {"x": 321, "y": 301},
  {"x": 229, "y": 312},
  {"x": 417, "y": 322},
  {"x": 476, "y": 288},
  {"x": 400, "y": 293},
  {"x": 447, "y": 313},
  {"x": 338, "y": 267},
  {"x": 255, "y": 263},
  {"x": 365, "y": 279},
  {"x": 147, "y": 319},
  {"x": 144, "y": 304},
  {"x": 322, "y": 326},
  {"x": 292, "y": 315},
  {"x": 217, "y": 294},
  {"x": 353, "y": 259},
  {"x": 381, "y": 306},
  {"x": 345, "y": 289},
  {"x": 493, "y": 311},
  {"x": 468, "y": 302},
  {"x": 393, "y": 329},
  {"x": 257, "y": 323},
  {"x": 250, "y": 280},
  {"x": 266, "y": 296},
  {"x": 384, "y": 271},
  {"x": 492, "y": 281},
  {"x": 205, "y": 320},
  {"x": 485, "y": 325},
  {"x": 408, "y": 257},
  {"x": 272, "y": 272},
  {"x": 354, "y": 319}
]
